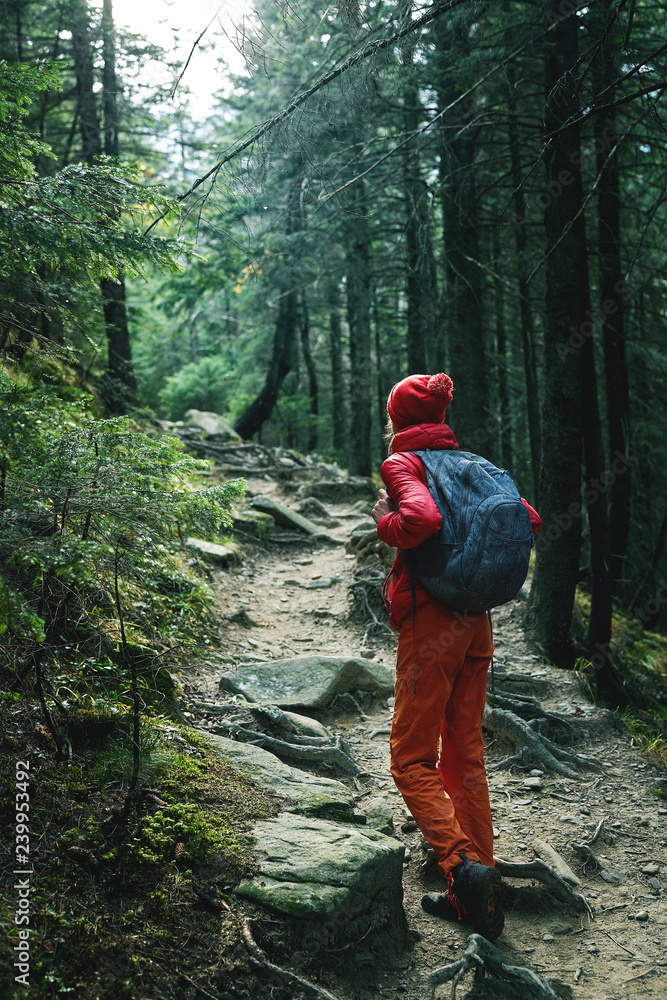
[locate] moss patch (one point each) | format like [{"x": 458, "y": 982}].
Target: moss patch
[{"x": 131, "y": 907}]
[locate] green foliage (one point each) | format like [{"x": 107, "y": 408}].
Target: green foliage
[
  {"x": 115, "y": 761},
  {"x": 201, "y": 385},
  {"x": 94, "y": 516},
  {"x": 61, "y": 234},
  {"x": 650, "y": 740},
  {"x": 141, "y": 891},
  {"x": 18, "y": 145}
]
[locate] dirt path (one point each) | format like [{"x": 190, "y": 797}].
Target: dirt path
[{"x": 613, "y": 956}]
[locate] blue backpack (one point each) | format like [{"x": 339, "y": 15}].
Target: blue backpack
[{"x": 479, "y": 558}]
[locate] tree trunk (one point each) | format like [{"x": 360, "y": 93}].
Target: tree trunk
[
  {"x": 472, "y": 413},
  {"x": 598, "y": 633},
  {"x": 338, "y": 418},
  {"x": 311, "y": 371},
  {"x": 381, "y": 386},
  {"x": 121, "y": 386},
  {"x": 285, "y": 339},
  {"x": 526, "y": 312},
  {"x": 611, "y": 305},
  {"x": 420, "y": 293},
  {"x": 552, "y": 594},
  {"x": 504, "y": 409},
  {"x": 282, "y": 362},
  {"x": 359, "y": 322},
  {"x": 88, "y": 113}
]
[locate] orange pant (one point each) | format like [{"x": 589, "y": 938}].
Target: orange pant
[{"x": 449, "y": 797}]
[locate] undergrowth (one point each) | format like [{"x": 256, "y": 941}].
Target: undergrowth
[
  {"x": 652, "y": 741},
  {"x": 126, "y": 907},
  {"x": 638, "y": 662}
]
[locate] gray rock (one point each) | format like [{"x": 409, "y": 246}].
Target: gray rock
[
  {"x": 651, "y": 868},
  {"x": 655, "y": 883},
  {"x": 253, "y": 522},
  {"x": 241, "y": 617},
  {"x": 307, "y": 681},
  {"x": 324, "y": 583},
  {"x": 533, "y": 784},
  {"x": 314, "y": 869},
  {"x": 314, "y": 509},
  {"x": 310, "y": 793},
  {"x": 560, "y": 928},
  {"x": 221, "y": 555},
  {"x": 611, "y": 875},
  {"x": 213, "y": 425},
  {"x": 306, "y": 726},
  {"x": 360, "y": 529},
  {"x": 379, "y": 814}
]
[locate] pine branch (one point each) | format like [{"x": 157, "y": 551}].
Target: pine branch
[{"x": 368, "y": 49}]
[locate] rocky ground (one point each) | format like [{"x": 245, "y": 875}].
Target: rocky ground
[{"x": 297, "y": 596}]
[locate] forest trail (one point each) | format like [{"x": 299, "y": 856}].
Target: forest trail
[{"x": 613, "y": 956}]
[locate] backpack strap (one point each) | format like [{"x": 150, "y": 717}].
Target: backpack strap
[{"x": 493, "y": 679}]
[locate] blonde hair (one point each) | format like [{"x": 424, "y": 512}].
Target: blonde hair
[{"x": 389, "y": 432}]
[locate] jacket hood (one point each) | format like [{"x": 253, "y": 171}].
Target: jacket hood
[{"x": 419, "y": 437}]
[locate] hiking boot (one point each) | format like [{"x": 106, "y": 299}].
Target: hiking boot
[
  {"x": 473, "y": 885},
  {"x": 442, "y": 904}
]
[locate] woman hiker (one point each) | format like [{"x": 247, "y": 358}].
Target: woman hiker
[{"x": 440, "y": 674}]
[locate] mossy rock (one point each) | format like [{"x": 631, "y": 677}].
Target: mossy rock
[
  {"x": 253, "y": 522},
  {"x": 92, "y": 728}
]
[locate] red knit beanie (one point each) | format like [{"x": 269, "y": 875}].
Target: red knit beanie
[{"x": 420, "y": 399}]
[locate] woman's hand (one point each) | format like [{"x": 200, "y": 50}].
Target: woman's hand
[{"x": 384, "y": 506}]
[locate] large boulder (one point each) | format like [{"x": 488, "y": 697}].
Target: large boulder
[
  {"x": 311, "y": 869},
  {"x": 213, "y": 425},
  {"x": 220, "y": 555},
  {"x": 254, "y": 523},
  {"x": 307, "y": 681},
  {"x": 308, "y": 793},
  {"x": 317, "y": 512}
]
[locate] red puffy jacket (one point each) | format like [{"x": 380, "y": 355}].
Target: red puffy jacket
[{"x": 417, "y": 517}]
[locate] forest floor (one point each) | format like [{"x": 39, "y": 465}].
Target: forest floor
[{"x": 614, "y": 955}]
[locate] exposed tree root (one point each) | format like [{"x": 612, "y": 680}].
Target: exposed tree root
[
  {"x": 257, "y": 958},
  {"x": 483, "y": 957},
  {"x": 359, "y": 589},
  {"x": 348, "y": 698},
  {"x": 536, "y": 750},
  {"x": 545, "y": 874},
  {"x": 304, "y": 749},
  {"x": 274, "y": 716},
  {"x": 529, "y": 709},
  {"x": 546, "y": 852},
  {"x": 584, "y": 852}
]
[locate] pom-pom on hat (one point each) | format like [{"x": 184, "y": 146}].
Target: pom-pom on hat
[{"x": 420, "y": 399}]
